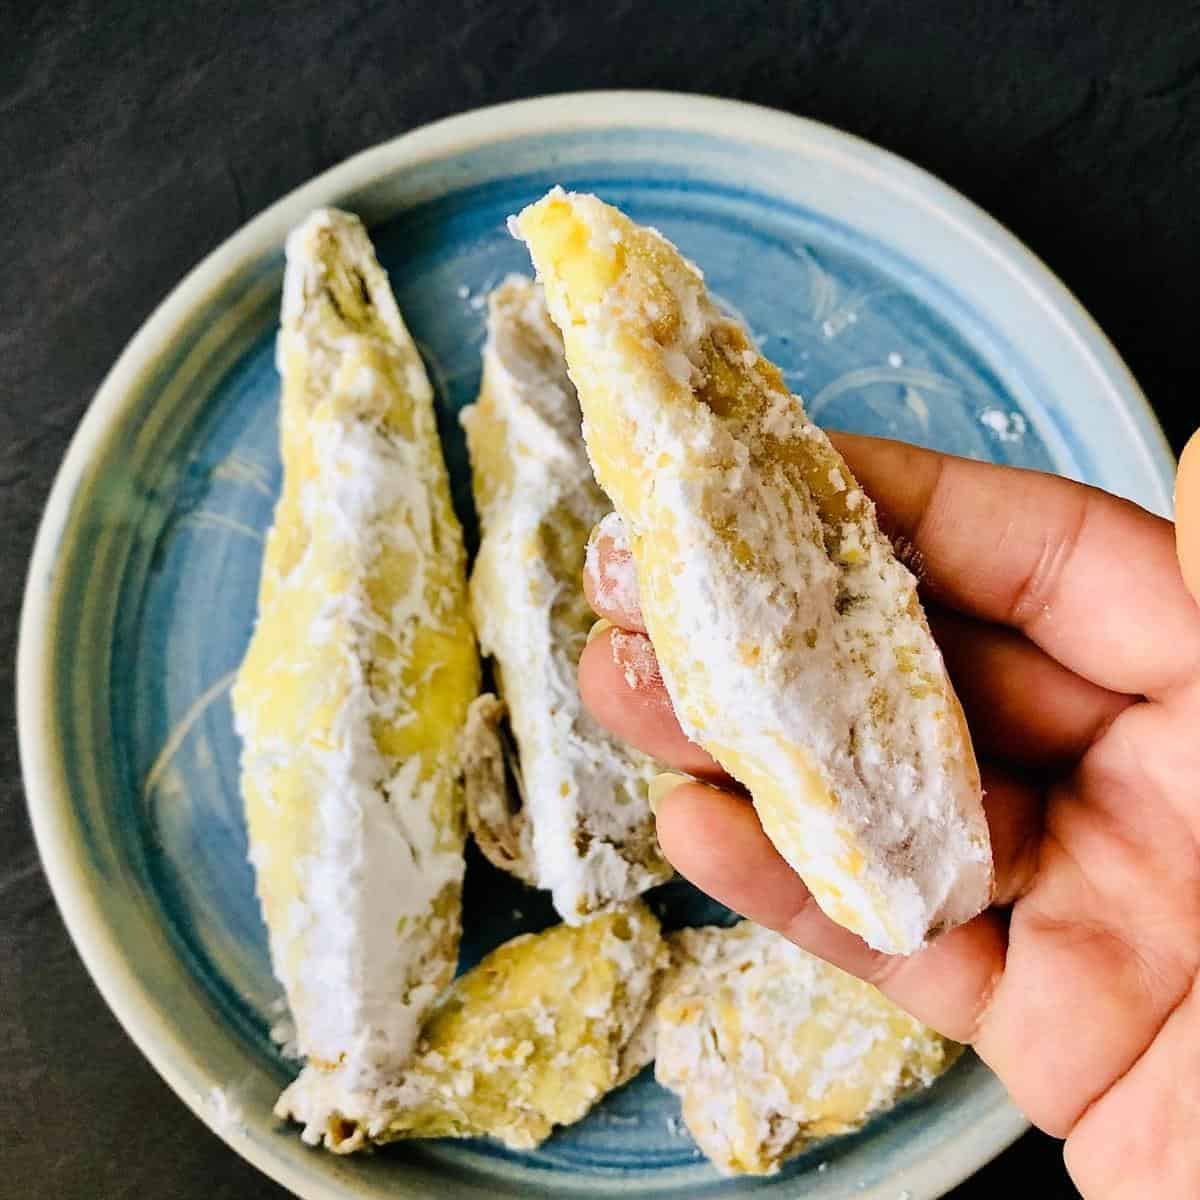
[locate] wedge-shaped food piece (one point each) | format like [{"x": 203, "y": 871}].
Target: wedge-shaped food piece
[
  {"x": 529, "y": 1039},
  {"x": 496, "y": 813},
  {"x": 585, "y": 821},
  {"x": 789, "y": 636},
  {"x": 356, "y": 683},
  {"x": 770, "y": 1048},
  {"x": 536, "y": 1034}
]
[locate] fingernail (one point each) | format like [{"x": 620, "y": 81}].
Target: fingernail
[
  {"x": 660, "y": 785},
  {"x": 597, "y": 629}
]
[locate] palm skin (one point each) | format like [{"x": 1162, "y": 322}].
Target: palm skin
[{"x": 1070, "y": 627}]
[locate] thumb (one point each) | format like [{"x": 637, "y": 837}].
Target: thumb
[{"x": 1187, "y": 515}]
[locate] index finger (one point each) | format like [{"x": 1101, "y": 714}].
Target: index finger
[{"x": 1092, "y": 579}]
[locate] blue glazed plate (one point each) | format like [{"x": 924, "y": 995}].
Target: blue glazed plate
[{"x": 892, "y": 305}]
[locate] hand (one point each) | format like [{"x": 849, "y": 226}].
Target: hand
[{"x": 1074, "y": 644}]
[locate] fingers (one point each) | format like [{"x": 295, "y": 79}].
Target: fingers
[
  {"x": 609, "y": 579},
  {"x": 717, "y": 842},
  {"x": 621, "y": 686},
  {"x": 1187, "y": 515},
  {"x": 713, "y": 838},
  {"x": 1090, "y": 578},
  {"x": 1085, "y": 630},
  {"x": 1139, "y": 1138},
  {"x": 1020, "y": 704}
]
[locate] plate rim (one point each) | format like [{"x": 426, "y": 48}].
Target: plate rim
[{"x": 55, "y": 832}]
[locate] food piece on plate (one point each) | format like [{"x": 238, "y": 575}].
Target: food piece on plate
[
  {"x": 789, "y": 635},
  {"x": 492, "y": 789},
  {"x": 536, "y": 1034},
  {"x": 770, "y": 1048},
  {"x": 584, "y": 829},
  {"x": 356, "y": 683},
  {"x": 529, "y": 1039}
]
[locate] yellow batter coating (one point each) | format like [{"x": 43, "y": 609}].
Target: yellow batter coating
[
  {"x": 770, "y": 1048},
  {"x": 529, "y": 1039},
  {"x": 357, "y": 679}
]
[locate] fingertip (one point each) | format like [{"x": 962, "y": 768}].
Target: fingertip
[
  {"x": 609, "y": 576},
  {"x": 622, "y": 688},
  {"x": 1187, "y": 515},
  {"x": 615, "y": 654}
]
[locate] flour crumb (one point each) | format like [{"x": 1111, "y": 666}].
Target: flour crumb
[
  {"x": 475, "y": 301},
  {"x": 676, "y": 1127},
  {"x": 227, "y": 1114},
  {"x": 283, "y": 1034},
  {"x": 1007, "y": 426},
  {"x": 838, "y": 323},
  {"x": 612, "y": 1118},
  {"x": 915, "y": 403}
]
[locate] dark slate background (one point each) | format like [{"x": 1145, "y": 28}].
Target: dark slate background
[{"x": 135, "y": 137}]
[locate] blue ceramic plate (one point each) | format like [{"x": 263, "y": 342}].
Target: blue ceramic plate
[{"x": 892, "y": 305}]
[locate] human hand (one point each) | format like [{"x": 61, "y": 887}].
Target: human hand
[{"x": 1074, "y": 643}]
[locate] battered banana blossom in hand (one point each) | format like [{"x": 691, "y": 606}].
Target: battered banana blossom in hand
[{"x": 788, "y": 634}]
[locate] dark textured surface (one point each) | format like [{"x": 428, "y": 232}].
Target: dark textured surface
[{"x": 135, "y": 137}]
